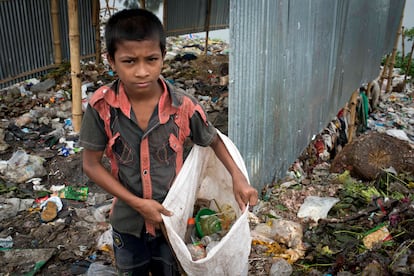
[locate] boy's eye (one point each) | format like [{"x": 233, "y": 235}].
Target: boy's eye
[
  {"x": 128, "y": 61},
  {"x": 153, "y": 59}
]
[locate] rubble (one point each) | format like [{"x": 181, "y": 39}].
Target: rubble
[{"x": 364, "y": 227}]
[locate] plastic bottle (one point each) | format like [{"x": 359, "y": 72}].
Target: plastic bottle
[
  {"x": 206, "y": 240},
  {"x": 197, "y": 251},
  {"x": 190, "y": 236}
]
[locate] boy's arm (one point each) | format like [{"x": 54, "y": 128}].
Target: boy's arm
[
  {"x": 243, "y": 192},
  {"x": 148, "y": 208}
]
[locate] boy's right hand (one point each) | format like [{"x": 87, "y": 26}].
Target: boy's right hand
[{"x": 151, "y": 210}]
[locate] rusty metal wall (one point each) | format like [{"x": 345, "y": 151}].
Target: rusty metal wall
[
  {"x": 26, "y": 42},
  {"x": 189, "y": 16},
  {"x": 293, "y": 65}
]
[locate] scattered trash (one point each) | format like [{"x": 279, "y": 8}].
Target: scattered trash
[
  {"x": 376, "y": 236},
  {"x": 316, "y": 207},
  {"x": 25, "y": 261},
  {"x": 22, "y": 167},
  {"x": 76, "y": 193},
  {"x": 101, "y": 270},
  {"x": 281, "y": 267},
  {"x": 6, "y": 242},
  {"x": 50, "y": 208}
]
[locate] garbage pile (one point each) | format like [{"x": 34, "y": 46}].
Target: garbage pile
[{"x": 325, "y": 217}]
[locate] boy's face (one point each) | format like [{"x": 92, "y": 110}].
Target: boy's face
[{"x": 138, "y": 65}]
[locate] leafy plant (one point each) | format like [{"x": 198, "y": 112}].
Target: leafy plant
[{"x": 407, "y": 61}]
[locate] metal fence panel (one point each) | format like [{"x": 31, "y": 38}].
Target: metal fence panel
[
  {"x": 26, "y": 38},
  {"x": 189, "y": 16},
  {"x": 293, "y": 66}
]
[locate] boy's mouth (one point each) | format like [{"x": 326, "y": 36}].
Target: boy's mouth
[{"x": 142, "y": 84}]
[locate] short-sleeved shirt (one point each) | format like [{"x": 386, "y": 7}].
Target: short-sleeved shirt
[{"x": 147, "y": 160}]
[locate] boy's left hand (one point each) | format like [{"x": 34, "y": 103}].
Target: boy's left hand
[{"x": 243, "y": 192}]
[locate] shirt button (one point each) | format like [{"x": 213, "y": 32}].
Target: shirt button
[{"x": 145, "y": 172}]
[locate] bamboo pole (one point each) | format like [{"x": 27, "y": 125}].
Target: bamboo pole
[
  {"x": 95, "y": 23},
  {"x": 75, "y": 64},
  {"x": 402, "y": 45},
  {"x": 57, "y": 51},
  {"x": 352, "y": 110},
  {"x": 394, "y": 53},
  {"x": 207, "y": 24},
  {"x": 384, "y": 70},
  {"x": 407, "y": 70}
]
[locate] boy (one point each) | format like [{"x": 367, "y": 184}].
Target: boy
[{"x": 142, "y": 123}]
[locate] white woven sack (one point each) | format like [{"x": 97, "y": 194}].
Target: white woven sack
[{"x": 204, "y": 176}]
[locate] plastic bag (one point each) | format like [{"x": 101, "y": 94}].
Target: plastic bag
[
  {"x": 204, "y": 176},
  {"x": 22, "y": 167}
]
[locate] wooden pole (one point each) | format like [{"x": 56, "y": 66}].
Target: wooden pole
[
  {"x": 352, "y": 110},
  {"x": 142, "y": 4},
  {"x": 107, "y": 8},
  {"x": 57, "y": 51},
  {"x": 207, "y": 24},
  {"x": 75, "y": 64},
  {"x": 95, "y": 23},
  {"x": 394, "y": 53},
  {"x": 164, "y": 14},
  {"x": 368, "y": 92}
]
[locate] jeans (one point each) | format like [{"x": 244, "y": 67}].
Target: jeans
[{"x": 140, "y": 256}]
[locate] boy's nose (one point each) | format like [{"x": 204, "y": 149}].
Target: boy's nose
[{"x": 141, "y": 70}]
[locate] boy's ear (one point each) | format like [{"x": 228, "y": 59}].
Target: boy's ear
[{"x": 111, "y": 62}]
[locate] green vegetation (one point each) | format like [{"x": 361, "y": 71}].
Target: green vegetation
[{"x": 407, "y": 61}]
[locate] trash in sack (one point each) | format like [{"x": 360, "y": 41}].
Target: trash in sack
[
  {"x": 205, "y": 231},
  {"x": 207, "y": 222},
  {"x": 203, "y": 176}
]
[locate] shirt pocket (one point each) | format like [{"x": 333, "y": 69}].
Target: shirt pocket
[{"x": 123, "y": 152}]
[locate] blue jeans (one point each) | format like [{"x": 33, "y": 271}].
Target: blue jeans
[{"x": 140, "y": 256}]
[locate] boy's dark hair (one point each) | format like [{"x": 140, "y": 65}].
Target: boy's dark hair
[{"x": 133, "y": 24}]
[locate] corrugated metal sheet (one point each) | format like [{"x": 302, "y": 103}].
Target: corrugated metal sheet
[
  {"x": 189, "y": 16},
  {"x": 293, "y": 65},
  {"x": 26, "y": 43}
]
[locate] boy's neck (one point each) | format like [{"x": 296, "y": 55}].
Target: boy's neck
[{"x": 152, "y": 95}]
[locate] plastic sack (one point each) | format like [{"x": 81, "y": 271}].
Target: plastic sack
[{"x": 204, "y": 176}]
